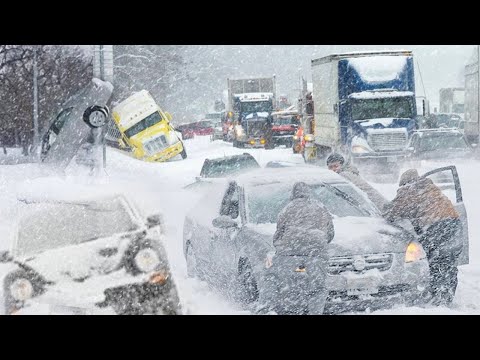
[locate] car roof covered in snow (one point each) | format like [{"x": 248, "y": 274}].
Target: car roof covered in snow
[{"x": 307, "y": 173}]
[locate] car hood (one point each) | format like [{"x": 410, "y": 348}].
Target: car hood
[
  {"x": 81, "y": 261},
  {"x": 355, "y": 236}
]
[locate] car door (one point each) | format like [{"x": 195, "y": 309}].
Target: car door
[
  {"x": 222, "y": 240},
  {"x": 447, "y": 179}
]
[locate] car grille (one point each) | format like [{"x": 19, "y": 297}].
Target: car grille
[
  {"x": 340, "y": 264},
  {"x": 389, "y": 141},
  {"x": 156, "y": 145}
]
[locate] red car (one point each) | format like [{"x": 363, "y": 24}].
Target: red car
[{"x": 203, "y": 128}]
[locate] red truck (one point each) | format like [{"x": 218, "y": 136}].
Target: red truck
[{"x": 285, "y": 125}]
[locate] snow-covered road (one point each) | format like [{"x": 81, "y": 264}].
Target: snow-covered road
[{"x": 158, "y": 187}]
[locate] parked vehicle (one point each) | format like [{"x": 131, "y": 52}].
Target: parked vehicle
[
  {"x": 86, "y": 256},
  {"x": 146, "y": 130},
  {"x": 365, "y": 107},
  {"x": 439, "y": 144},
  {"x": 224, "y": 167},
  {"x": 186, "y": 131},
  {"x": 228, "y": 236},
  {"x": 285, "y": 125},
  {"x": 77, "y": 124},
  {"x": 254, "y": 130}
]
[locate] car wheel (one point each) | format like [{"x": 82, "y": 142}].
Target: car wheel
[
  {"x": 191, "y": 262},
  {"x": 248, "y": 283}
]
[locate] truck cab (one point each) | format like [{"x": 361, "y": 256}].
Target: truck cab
[
  {"x": 146, "y": 130},
  {"x": 365, "y": 106}
]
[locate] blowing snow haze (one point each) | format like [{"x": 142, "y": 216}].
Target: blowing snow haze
[{"x": 188, "y": 79}]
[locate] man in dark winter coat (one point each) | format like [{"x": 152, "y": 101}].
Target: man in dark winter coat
[
  {"x": 304, "y": 228},
  {"x": 304, "y": 225},
  {"x": 336, "y": 163},
  {"x": 436, "y": 220}
]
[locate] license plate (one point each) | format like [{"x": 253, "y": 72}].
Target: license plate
[
  {"x": 391, "y": 159},
  {"x": 362, "y": 286}
]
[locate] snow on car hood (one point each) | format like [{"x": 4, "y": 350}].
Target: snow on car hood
[
  {"x": 365, "y": 235},
  {"x": 355, "y": 235},
  {"x": 80, "y": 261}
]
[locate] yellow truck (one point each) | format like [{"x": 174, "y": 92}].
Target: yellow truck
[{"x": 145, "y": 129}]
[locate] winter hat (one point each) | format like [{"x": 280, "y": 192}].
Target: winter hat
[
  {"x": 301, "y": 190},
  {"x": 408, "y": 176},
  {"x": 335, "y": 157}
]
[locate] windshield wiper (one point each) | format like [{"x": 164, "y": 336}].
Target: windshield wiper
[{"x": 347, "y": 197}]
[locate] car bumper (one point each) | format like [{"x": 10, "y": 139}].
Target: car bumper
[
  {"x": 167, "y": 153},
  {"x": 115, "y": 293},
  {"x": 401, "y": 284}
]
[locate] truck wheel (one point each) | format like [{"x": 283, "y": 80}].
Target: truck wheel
[{"x": 183, "y": 154}]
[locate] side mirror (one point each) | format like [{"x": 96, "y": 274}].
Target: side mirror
[
  {"x": 168, "y": 115},
  {"x": 154, "y": 220},
  {"x": 5, "y": 257},
  {"x": 224, "y": 222}
]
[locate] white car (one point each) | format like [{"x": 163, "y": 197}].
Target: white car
[{"x": 87, "y": 256}]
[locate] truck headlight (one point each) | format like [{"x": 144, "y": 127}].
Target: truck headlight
[
  {"x": 414, "y": 252},
  {"x": 146, "y": 260},
  {"x": 21, "y": 289},
  {"x": 309, "y": 137},
  {"x": 358, "y": 149},
  {"x": 295, "y": 137}
]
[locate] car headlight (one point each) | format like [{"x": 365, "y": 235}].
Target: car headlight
[
  {"x": 414, "y": 252},
  {"x": 295, "y": 137},
  {"x": 146, "y": 260},
  {"x": 358, "y": 149},
  {"x": 21, "y": 289},
  {"x": 309, "y": 137}
]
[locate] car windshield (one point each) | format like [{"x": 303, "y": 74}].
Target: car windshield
[
  {"x": 54, "y": 225},
  {"x": 442, "y": 142},
  {"x": 365, "y": 109},
  {"x": 149, "y": 121},
  {"x": 285, "y": 120},
  {"x": 223, "y": 167},
  {"x": 266, "y": 201}
]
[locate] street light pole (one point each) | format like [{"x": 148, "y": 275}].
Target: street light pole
[{"x": 35, "y": 102}]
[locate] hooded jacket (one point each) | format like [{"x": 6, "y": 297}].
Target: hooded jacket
[
  {"x": 304, "y": 226},
  {"x": 422, "y": 202}
]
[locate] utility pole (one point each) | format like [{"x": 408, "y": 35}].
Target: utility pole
[
  {"x": 478, "y": 93},
  {"x": 35, "y": 104}
]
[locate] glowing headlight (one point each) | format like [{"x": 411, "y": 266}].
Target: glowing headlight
[
  {"x": 295, "y": 137},
  {"x": 357, "y": 149},
  {"x": 262, "y": 141},
  {"x": 309, "y": 137},
  {"x": 414, "y": 252},
  {"x": 146, "y": 260},
  {"x": 21, "y": 289}
]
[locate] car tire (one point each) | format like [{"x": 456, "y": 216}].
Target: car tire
[{"x": 248, "y": 285}]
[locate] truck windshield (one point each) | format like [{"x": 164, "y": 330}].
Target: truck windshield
[
  {"x": 256, "y": 106},
  {"x": 149, "y": 121},
  {"x": 365, "y": 109}
]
